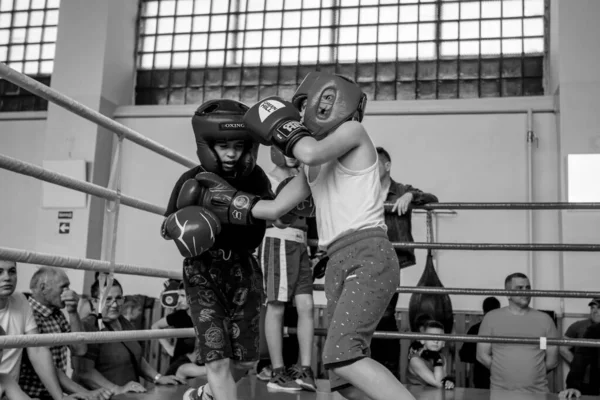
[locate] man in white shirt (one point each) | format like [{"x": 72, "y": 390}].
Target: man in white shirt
[{"x": 16, "y": 318}]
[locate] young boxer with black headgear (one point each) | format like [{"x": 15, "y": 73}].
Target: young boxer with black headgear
[
  {"x": 222, "y": 279},
  {"x": 341, "y": 175},
  {"x": 287, "y": 272}
]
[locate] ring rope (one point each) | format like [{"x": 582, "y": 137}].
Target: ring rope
[
  {"x": 35, "y": 171},
  {"x": 503, "y": 206},
  {"x": 469, "y": 338},
  {"x": 56, "y": 339},
  {"x": 24, "y": 168},
  {"x": 490, "y": 292},
  {"x": 75, "y": 107},
  {"x": 30, "y": 257},
  {"x": 491, "y": 246}
]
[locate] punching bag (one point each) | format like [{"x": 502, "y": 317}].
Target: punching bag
[{"x": 437, "y": 306}]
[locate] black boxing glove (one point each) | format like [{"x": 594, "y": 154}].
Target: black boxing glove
[
  {"x": 433, "y": 356},
  {"x": 230, "y": 205},
  {"x": 194, "y": 230},
  {"x": 189, "y": 194},
  {"x": 274, "y": 121},
  {"x": 163, "y": 230}
]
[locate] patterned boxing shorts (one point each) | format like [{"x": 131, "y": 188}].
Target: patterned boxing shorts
[
  {"x": 224, "y": 291},
  {"x": 361, "y": 277}
]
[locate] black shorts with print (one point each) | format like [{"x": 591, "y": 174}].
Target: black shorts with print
[
  {"x": 361, "y": 277},
  {"x": 224, "y": 291}
]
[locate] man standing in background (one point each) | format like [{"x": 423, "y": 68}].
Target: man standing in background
[
  {"x": 518, "y": 367},
  {"x": 399, "y": 224}
]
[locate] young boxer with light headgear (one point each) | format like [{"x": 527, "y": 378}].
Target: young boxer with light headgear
[
  {"x": 222, "y": 279},
  {"x": 341, "y": 176},
  {"x": 287, "y": 272}
]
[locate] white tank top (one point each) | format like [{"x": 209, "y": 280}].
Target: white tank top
[{"x": 346, "y": 201}]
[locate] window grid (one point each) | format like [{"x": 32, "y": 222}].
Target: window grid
[
  {"x": 28, "y": 31},
  {"x": 434, "y": 68}
]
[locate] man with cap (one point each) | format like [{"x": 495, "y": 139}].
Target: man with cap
[
  {"x": 584, "y": 376},
  {"x": 578, "y": 328},
  {"x": 221, "y": 276},
  {"x": 287, "y": 272}
]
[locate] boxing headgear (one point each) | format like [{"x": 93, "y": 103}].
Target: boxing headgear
[
  {"x": 223, "y": 120},
  {"x": 173, "y": 293},
  {"x": 331, "y": 100},
  {"x": 277, "y": 157}
]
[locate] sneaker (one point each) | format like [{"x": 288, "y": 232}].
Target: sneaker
[
  {"x": 265, "y": 374},
  {"x": 196, "y": 394},
  {"x": 304, "y": 377},
  {"x": 282, "y": 381}
]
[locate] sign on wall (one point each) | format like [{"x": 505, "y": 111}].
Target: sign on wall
[{"x": 64, "y": 228}]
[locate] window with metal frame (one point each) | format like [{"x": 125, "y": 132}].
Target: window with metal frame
[
  {"x": 193, "y": 51},
  {"x": 27, "y": 40}
]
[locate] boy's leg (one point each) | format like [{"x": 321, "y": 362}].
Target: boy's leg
[
  {"x": 361, "y": 279},
  {"x": 239, "y": 369},
  {"x": 263, "y": 367},
  {"x": 305, "y": 307},
  {"x": 374, "y": 380},
  {"x": 274, "y": 332},
  {"x": 209, "y": 312},
  {"x": 278, "y": 277},
  {"x": 221, "y": 384},
  {"x": 291, "y": 350}
]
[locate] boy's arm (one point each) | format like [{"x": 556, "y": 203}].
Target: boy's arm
[
  {"x": 348, "y": 136},
  {"x": 290, "y": 196}
]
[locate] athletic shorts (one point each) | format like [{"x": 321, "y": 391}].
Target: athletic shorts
[
  {"x": 285, "y": 264},
  {"x": 224, "y": 291},
  {"x": 362, "y": 276}
]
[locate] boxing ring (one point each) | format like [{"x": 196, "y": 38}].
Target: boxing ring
[{"x": 249, "y": 387}]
